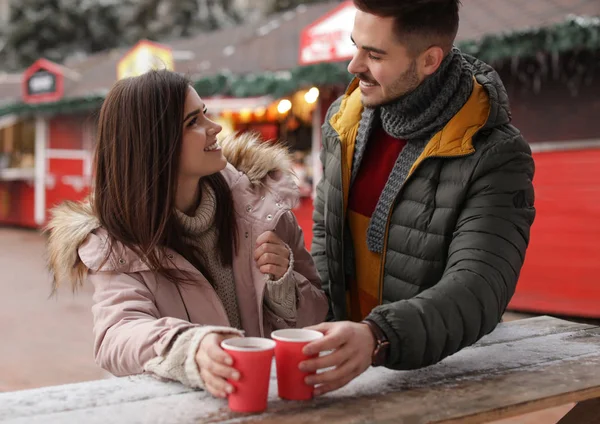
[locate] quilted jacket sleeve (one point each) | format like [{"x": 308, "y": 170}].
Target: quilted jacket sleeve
[
  {"x": 484, "y": 261},
  {"x": 319, "y": 246}
]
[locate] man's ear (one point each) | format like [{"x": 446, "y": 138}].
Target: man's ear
[{"x": 430, "y": 60}]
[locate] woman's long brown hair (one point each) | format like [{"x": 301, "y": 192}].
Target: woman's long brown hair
[{"x": 140, "y": 132}]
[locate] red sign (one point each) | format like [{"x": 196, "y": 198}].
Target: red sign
[
  {"x": 43, "y": 82},
  {"x": 328, "y": 38}
]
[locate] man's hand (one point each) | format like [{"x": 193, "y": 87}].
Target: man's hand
[
  {"x": 272, "y": 255},
  {"x": 215, "y": 365},
  {"x": 352, "y": 344}
]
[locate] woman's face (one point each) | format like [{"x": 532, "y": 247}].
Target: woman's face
[{"x": 200, "y": 153}]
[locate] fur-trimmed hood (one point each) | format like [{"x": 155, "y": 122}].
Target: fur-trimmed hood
[
  {"x": 256, "y": 164},
  {"x": 256, "y": 158}
]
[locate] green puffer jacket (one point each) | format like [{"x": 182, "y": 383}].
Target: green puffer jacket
[{"x": 457, "y": 233}]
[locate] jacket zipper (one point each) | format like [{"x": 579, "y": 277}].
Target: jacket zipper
[{"x": 389, "y": 217}]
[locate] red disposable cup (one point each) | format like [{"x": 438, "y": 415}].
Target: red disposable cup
[
  {"x": 252, "y": 358},
  {"x": 288, "y": 355}
]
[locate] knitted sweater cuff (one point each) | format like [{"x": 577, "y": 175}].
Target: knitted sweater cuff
[
  {"x": 179, "y": 361},
  {"x": 281, "y": 294}
]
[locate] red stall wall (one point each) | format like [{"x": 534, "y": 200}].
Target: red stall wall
[
  {"x": 16, "y": 203},
  {"x": 561, "y": 274},
  {"x": 69, "y": 156}
]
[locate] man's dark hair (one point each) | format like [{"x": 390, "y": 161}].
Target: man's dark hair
[{"x": 419, "y": 24}]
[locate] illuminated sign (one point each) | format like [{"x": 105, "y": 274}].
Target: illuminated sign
[
  {"x": 145, "y": 56},
  {"x": 328, "y": 38}
]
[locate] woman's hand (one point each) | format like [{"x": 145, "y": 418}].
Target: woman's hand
[
  {"x": 215, "y": 365},
  {"x": 272, "y": 255}
]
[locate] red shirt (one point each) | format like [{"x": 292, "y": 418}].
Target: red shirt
[{"x": 379, "y": 158}]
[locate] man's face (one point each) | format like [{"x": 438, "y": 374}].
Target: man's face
[{"x": 381, "y": 62}]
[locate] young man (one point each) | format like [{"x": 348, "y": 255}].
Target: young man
[{"x": 423, "y": 214}]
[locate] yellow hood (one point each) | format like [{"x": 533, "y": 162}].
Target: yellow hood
[{"x": 455, "y": 139}]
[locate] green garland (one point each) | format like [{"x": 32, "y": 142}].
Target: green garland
[
  {"x": 575, "y": 33},
  {"x": 63, "y": 106},
  {"x": 275, "y": 84}
]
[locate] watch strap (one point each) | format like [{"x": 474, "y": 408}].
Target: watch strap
[{"x": 381, "y": 344}]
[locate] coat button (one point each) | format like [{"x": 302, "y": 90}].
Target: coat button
[
  {"x": 170, "y": 256},
  {"x": 269, "y": 217},
  {"x": 246, "y": 234},
  {"x": 122, "y": 261},
  {"x": 248, "y": 208},
  {"x": 278, "y": 204},
  {"x": 262, "y": 197}
]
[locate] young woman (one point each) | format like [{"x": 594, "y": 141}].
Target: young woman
[{"x": 185, "y": 242}]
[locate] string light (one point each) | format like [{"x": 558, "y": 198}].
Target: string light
[
  {"x": 311, "y": 95},
  {"x": 284, "y": 106},
  {"x": 260, "y": 112},
  {"x": 245, "y": 115}
]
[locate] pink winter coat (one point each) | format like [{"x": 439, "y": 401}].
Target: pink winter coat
[{"x": 137, "y": 313}]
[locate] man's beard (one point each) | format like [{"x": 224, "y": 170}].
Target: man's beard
[{"x": 406, "y": 83}]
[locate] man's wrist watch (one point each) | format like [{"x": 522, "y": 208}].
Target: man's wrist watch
[{"x": 382, "y": 344}]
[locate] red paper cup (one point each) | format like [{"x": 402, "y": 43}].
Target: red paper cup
[
  {"x": 252, "y": 358},
  {"x": 288, "y": 355}
]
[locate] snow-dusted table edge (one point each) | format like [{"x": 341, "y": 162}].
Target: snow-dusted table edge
[{"x": 520, "y": 367}]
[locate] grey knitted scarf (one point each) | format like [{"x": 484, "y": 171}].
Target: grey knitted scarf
[{"x": 414, "y": 117}]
